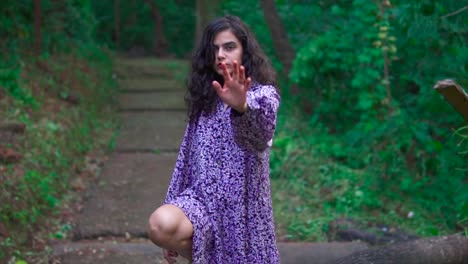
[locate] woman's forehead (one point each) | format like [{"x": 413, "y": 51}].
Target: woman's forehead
[{"x": 224, "y": 37}]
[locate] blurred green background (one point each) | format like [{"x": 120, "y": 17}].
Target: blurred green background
[{"x": 361, "y": 132}]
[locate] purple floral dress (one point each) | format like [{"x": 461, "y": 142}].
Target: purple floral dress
[{"x": 221, "y": 181}]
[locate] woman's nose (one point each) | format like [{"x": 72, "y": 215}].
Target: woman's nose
[{"x": 220, "y": 54}]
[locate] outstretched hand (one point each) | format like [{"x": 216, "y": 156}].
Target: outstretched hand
[{"x": 234, "y": 91}]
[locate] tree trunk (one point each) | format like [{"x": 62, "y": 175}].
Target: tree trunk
[
  {"x": 436, "y": 250},
  {"x": 206, "y": 11},
  {"x": 37, "y": 27},
  {"x": 117, "y": 23},
  {"x": 282, "y": 46},
  {"x": 159, "y": 40}
]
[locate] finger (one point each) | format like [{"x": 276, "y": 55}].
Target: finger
[
  {"x": 235, "y": 70},
  {"x": 247, "y": 83},
  {"x": 217, "y": 87},
  {"x": 226, "y": 75},
  {"x": 168, "y": 258},
  {"x": 241, "y": 74}
]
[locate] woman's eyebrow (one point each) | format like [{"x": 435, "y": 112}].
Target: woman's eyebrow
[{"x": 226, "y": 44}]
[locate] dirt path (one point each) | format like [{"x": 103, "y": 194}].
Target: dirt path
[{"x": 111, "y": 228}]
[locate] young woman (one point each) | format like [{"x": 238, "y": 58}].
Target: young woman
[{"x": 218, "y": 207}]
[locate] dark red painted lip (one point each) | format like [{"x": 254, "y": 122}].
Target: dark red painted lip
[{"x": 220, "y": 65}]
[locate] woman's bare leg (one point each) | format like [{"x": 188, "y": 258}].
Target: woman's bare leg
[{"x": 170, "y": 228}]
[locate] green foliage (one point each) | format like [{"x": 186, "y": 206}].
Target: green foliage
[
  {"x": 368, "y": 79},
  {"x": 13, "y": 31},
  {"x": 341, "y": 77},
  {"x": 462, "y": 134},
  {"x": 9, "y": 81},
  {"x": 136, "y": 25},
  {"x": 15, "y": 26},
  {"x": 64, "y": 25},
  {"x": 69, "y": 24}
]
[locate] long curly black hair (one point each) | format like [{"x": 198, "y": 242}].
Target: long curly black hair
[{"x": 201, "y": 96}]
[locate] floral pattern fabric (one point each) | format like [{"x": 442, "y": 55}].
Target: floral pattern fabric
[{"x": 221, "y": 181}]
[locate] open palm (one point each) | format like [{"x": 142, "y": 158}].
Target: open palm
[{"x": 234, "y": 90}]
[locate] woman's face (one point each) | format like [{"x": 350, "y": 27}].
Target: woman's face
[{"x": 227, "y": 50}]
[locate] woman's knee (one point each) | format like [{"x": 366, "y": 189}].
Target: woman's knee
[
  {"x": 161, "y": 225},
  {"x": 165, "y": 223}
]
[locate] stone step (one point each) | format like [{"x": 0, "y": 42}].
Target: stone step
[
  {"x": 317, "y": 253},
  {"x": 151, "y": 131},
  {"x": 151, "y": 84},
  {"x": 152, "y": 62},
  {"x": 155, "y": 68},
  {"x": 145, "y": 252},
  {"x": 107, "y": 252},
  {"x": 129, "y": 189},
  {"x": 152, "y": 101}
]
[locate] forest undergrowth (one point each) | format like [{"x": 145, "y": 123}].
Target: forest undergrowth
[{"x": 58, "y": 123}]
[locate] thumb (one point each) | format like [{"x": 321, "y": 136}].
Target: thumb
[{"x": 217, "y": 87}]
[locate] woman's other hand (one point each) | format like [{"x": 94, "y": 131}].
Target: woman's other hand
[{"x": 170, "y": 256}]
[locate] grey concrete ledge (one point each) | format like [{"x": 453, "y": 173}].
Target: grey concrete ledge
[{"x": 117, "y": 252}]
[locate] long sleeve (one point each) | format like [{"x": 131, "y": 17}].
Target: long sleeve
[
  {"x": 255, "y": 128},
  {"x": 180, "y": 181}
]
